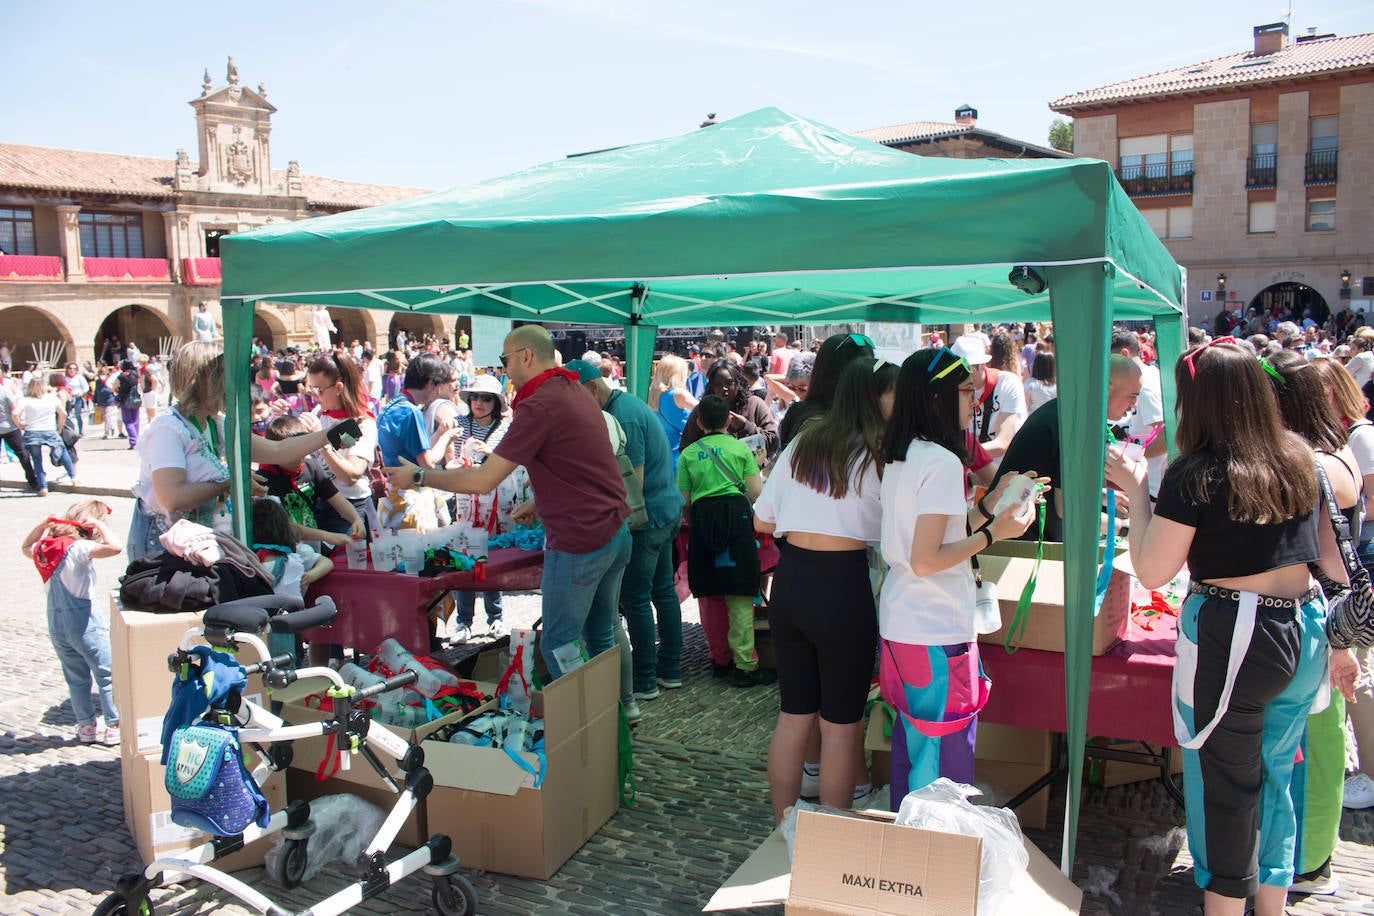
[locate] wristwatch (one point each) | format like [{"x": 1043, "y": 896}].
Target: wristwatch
[{"x": 418, "y": 478}]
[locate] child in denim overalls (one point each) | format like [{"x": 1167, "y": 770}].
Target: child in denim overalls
[{"x": 64, "y": 549}]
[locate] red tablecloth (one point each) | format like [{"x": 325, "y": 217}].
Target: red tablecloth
[
  {"x": 376, "y": 605},
  {"x": 1130, "y": 687}
]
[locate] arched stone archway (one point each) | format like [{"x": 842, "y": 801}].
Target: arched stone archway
[
  {"x": 150, "y": 330},
  {"x": 35, "y": 334},
  {"x": 1292, "y": 298},
  {"x": 417, "y": 325},
  {"x": 353, "y": 324},
  {"x": 270, "y": 328}
]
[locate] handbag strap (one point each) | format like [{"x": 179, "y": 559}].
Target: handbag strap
[
  {"x": 1338, "y": 523},
  {"x": 730, "y": 475},
  {"x": 1017, "y": 627}
]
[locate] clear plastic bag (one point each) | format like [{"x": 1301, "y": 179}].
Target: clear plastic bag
[
  {"x": 344, "y": 825},
  {"x": 944, "y": 805}
]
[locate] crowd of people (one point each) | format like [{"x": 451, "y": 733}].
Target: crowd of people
[{"x": 850, "y": 496}]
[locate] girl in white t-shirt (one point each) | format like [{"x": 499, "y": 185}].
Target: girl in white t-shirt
[
  {"x": 40, "y": 415},
  {"x": 926, "y": 607},
  {"x": 821, "y": 502}
]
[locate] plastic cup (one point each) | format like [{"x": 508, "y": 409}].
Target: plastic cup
[
  {"x": 412, "y": 550},
  {"x": 1133, "y": 451},
  {"x": 477, "y": 543},
  {"x": 357, "y": 554},
  {"x": 384, "y": 553}
]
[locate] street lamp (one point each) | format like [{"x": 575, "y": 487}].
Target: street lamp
[
  {"x": 1345, "y": 279},
  {"x": 1221, "y": 286}
]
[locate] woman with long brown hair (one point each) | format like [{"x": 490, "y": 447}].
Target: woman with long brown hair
[
  {"x": 1241, "y": 506},
  {"x": 821, "y": 502},
  {"x": 337, "y": 383}
]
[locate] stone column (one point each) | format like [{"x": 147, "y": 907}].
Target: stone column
[
  {"x": 177, "y": 227},
  {"x": 69, "y": 235}
]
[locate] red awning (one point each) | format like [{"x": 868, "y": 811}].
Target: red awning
[
  {"x": 200, "y": 271},
  {"x": 128, "y": 270},
  {"x": 29, "y": 268}
]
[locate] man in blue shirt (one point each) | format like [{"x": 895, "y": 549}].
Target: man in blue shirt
[
  {"x": 401, "y": 427},
  {"x": 648, "y": 583}
]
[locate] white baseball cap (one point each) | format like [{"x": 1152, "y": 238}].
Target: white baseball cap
[{"x": 971, "y": 348}]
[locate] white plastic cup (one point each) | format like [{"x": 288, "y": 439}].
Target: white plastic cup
[
  {"x": 477, "y": 543},
  {"x": 412, "y": 550},
  {"x": 357, "y": 554},
  {"x": 384, "y": 553},
  {"x": 1133, "y": 451}
]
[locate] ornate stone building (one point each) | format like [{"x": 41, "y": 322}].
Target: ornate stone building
[
  {"x": 102, "y": 244},
  {"x": 1254, "y": 168}
]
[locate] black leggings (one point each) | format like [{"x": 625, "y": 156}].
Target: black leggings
[{"x": 825, "y": 632}]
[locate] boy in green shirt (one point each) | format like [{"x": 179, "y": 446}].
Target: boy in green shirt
[{"x": 719, "y": 480}]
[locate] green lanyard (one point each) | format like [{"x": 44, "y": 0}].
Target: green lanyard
[
  {"x": 211, "y": 428},
  {"x": 1018, "y": 622}
]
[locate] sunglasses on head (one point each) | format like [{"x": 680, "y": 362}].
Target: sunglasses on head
[
  {"x": 957, "y": 360},
  {"x": 1188, "y": 360},
  {"x": 860, "y": 340}
]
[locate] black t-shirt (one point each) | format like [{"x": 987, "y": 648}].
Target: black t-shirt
[
  {"x": 1035, "y": 447},
  {"x": 302, "y": 491},
  {"x": 1225, "y": 549}
]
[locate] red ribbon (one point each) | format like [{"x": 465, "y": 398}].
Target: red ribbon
[{"x": 533, "y": 384}]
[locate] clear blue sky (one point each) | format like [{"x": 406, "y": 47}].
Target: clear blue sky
[{"x": 442, "y": 94}]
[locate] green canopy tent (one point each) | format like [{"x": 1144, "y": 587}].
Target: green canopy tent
[{"x": 764, "y": 219}]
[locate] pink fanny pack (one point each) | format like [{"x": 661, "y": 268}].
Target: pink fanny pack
[{"x": 907, "y": 674}]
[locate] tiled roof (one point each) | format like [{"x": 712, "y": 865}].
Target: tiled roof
[
  {"x": 927, "y": 131},
  {"x": 1297, "y": 59},
  {"x": 44, "y": 168},
  {"x": 906, "y": 133}
]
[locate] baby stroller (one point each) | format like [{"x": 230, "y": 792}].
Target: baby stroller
[{"x": 206, "y": 758}]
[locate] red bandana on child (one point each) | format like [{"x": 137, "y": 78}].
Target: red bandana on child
[
  {"x": 533, "y": 384},
  {"x": 340, "y": 414},
  {"x": 48, "y": 552}
]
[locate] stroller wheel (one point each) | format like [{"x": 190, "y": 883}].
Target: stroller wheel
[
  {"x": 291, "y": 866},
  {"x": 117, "y": 905},
  {"x": 454, "y": 896}
]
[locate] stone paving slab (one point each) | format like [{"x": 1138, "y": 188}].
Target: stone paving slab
[{"x": 702, "y": 802}]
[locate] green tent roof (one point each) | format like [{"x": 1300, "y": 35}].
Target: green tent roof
[{"x": 763, "y": 218}]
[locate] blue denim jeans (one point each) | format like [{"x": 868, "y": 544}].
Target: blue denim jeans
[
  {"x": 81, "y": 639},
  {"x": 648, "y": 587},
  {"x": 467, "y": 606},
  {"x": 144, "y": 532},
  {"x": 580, "y": 594},
  {"x": 34, "y": 443}
]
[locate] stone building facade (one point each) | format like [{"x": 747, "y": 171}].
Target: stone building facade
[
  {"x": 1254, "y": 168},
  {"x": 101, "y": 244}
]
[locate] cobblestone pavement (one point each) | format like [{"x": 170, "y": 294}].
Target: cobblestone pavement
[{"x": 702, "y": 802}]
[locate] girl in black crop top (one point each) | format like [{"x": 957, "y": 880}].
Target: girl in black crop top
[{"x": 1241, "y": 505}]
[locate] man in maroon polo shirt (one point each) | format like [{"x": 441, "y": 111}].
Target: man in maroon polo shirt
[{"x": 558, "y": 434}]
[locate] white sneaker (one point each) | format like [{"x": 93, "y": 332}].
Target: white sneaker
[
  {"x": 1359, "y": 792},
  {"x": 496, "y": 628},
  {"x": 632, "y": 713},
  {"x": 1319, "y": 885},
  {"x": 460, "y": 635},
  {"x": 810, "y": 785}
]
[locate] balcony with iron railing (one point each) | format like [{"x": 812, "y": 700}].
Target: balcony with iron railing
[
  {"x": 1156, "y": 179},
  {"x": 1320, "y": 167},
  {"x": 1261, "y": 171}
]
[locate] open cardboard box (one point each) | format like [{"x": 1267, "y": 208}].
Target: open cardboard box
[
  {"x": 865, "y": 864},
  {"x": 489, "y": 806},
  {"x": 148, "y": 814},
  {"x": 1010, "y": 564},
  {"x": 140, "y": 642}
]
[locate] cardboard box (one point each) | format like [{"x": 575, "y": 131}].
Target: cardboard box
[
  {"x": 878, "y": 744},
  {"x": 359, "y": 779},
  {"x": 140, "y": 642},
  {"x": 1001, "y": 782},
  {"x": 1013, "y": 744},
  {"x": 865, "y": 864},
  {"x": 148, "y": 814},
  {"x": 1045, "y": 617},
  {"x": 488, "y": 805},
  {"x": 1108, "y": 773}
]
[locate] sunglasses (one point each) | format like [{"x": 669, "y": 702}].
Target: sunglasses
[
  {"x": 1188, "y": 360},
  {"x": 958, "y": 361},
  {"x": 1273, "y": 372},
  {"x": 879, "y": 363},
  {"x": 483, "y": 397},
  {"x": 505, "y": 357}
]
